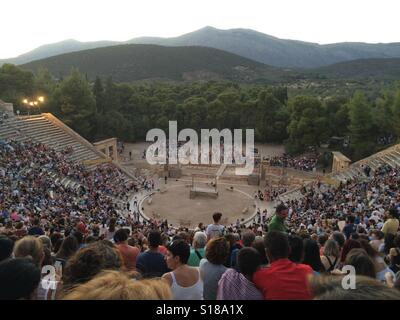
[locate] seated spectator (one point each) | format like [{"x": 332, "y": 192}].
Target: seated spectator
[
  {"x": 32, "y": 247},
  {"x": 260, "y": 247},
  {"x": 36, "y": 230},
  {"x": 296, "y": 245},
  {"x": 381, "y": 268},
  {"x": 90, "y": 261},
  {"x": 68, "y": 248},
  {"x": 212, "y": 266},
  {"x": 394, "y": 255},
  {"x": 331, "y": 255},
  {"x": 312, "y": 257},
  {"x": 322, "y": 238},
  {"x": 48, "y": 259},
  {"x": 391, "y": 226},
  {"x": 339, "y": 238},
  {"x": 6, "y": 247},
  {"x": 129, "y": 254},
  {"x": 19, "y": 279},
  {"x": 283, "y": 280},
  {"x": 387, "y": 244},
  {"x": 247, "y": 240},
  {"x": 363, "y": 264},
  {"x": 197, "y": 251},
  {"x": 235, "y": 285},
  {"x": 347, "y": 247},
  {"x": 151, "y": 263},
  {"x": 185, "y": 281},
  {"x": 366, "y": 288},
  {"x": 377, "y": 239},
  {"x": 350, "y": 227},
  {"x": 114, "y": 285}
]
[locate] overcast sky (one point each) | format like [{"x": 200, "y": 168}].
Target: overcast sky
[{"x": 27, "y": 24}]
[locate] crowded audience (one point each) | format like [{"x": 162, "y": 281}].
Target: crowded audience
[{"x": 78, "y": 243}]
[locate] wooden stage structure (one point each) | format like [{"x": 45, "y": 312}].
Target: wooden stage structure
[{"x": 204, "y": 188}]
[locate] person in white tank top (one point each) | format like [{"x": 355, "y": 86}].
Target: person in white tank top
[{"x": 184, "y": 280}]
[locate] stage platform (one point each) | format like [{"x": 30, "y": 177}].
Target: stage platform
[{"x": 196, "y": 191}]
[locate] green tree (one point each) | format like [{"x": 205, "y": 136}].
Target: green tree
[
  {"x": 382, "y": 114},
  {"x": 98, "y": 92},
  {"x": 307, "y": 125},
  {"x": 76, "y": 103},
  {"x": 396, "y": 113},
  {"x": 337, "y": 115},
  {"x": 15, "y": 84},
  {"x": 360, "y": 125}
]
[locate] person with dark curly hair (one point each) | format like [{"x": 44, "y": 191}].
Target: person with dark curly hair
[
  {"x": 89, "y": 261},
  {"x": 212, "y": 266}
]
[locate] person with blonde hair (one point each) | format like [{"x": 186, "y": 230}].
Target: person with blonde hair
[
  {"x": 32, "y": 247},
  {"x": 115, "y": 285},
  {"x": 331, "y": 255}
]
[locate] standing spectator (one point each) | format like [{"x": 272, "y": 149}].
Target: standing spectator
[
  {"x": 278, "y": 221},
  {"x": 212, "y": 267},
  {"x": 185, "y": 281},
  {"x": 283, "y": 280},
  {"x": 215, "y": 229}
]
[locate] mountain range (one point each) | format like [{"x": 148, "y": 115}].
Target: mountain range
[
  {"x": 132, "y": 62},
  {"x": 247, "y": 43}
]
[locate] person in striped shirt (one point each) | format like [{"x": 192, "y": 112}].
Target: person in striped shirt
[{"x": 235, "y": 285}]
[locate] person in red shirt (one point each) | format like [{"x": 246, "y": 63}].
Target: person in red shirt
[
  {"x": 283, "y": 279},
  {"x": 129, "y": 253}
]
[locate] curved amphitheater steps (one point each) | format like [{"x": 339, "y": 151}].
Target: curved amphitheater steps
[
  {"x": 389, "y": 156},
  {"x": 47, "y": 129}
]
